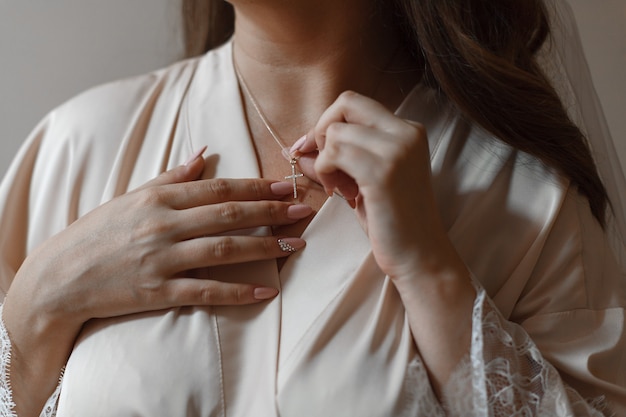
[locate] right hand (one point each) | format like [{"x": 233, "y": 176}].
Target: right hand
[{"x": 133, "y": 253}]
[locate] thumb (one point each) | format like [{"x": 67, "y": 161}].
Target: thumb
[
  {"x": 306, "y": 161},
  {"x": 306, "y": 164}
]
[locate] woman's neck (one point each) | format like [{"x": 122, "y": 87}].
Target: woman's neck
[{"x": 297, "y": 56}]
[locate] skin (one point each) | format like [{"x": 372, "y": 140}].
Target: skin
[
  {"x": 131, "y": 255},
  {"x": 372, "y": 158},
  {"x": 356, "y": 146},
  {"x": 312, "y": 65}
]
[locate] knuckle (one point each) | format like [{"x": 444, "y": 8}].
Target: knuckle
[
  {"x": 238, "y": 295},
  {"x": 148, "y": 292},
  {"x": 347, "y": 96},
  {"x": 221, "y": 189},
  {"x": 224, "y": 249},
  {"x": 269, "y": 246},
  {"x": 207, "y": 295},
  {"x": 275, "y": 213},
  {"x": 146, "y": 235},
  {"x": 152, "y": 196},
  {"x": 146, "y": 232},
  {"x": 334, "y": 130},
  {"x": 216, "y": 295},
  {"x": 257, "y": 189},
  {"x": 230, "y": 212}
]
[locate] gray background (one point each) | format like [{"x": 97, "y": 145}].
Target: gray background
[{"x": 52, "y": 49}]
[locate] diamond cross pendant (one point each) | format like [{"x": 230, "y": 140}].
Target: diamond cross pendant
[{"x": 294, "y": 176}]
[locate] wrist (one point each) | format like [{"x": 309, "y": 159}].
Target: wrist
[
  {"x": 39, "y": 336},
  {"x": 39, "y": 349},
  {"x": 440, "y": 276},
  {"x": 439, "y": 262}
]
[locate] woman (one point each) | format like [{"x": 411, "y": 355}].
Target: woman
[{"x": 449, "y": 270}]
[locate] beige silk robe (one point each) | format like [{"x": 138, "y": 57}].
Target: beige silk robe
[{"x": 336, "y": 341}]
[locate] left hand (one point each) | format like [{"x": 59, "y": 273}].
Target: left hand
[{"x": 381, "y": 164}]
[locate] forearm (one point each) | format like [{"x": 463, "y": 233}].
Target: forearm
[{"x": 439, "y": 303}]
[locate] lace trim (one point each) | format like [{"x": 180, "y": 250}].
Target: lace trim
[
  {"x": 50, "y": 409},
  {"x": 418, "y": 396},
  {"x": 7, "y": 406},
  {"x": 505, "y": 375}
]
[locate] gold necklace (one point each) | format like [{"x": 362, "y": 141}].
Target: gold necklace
[{"x": 292, "y": 161}]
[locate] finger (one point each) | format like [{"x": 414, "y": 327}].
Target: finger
[
  {"x": 354, "y": 108},
  {"x": 213, "y": 191},
  {"x": 304, "y": 145},
  {"x": 344, "y": 185},
  {"x": 237, "y": 215},
  {"x": 306, "y": 163},
  {"x": 354, "y": 154},
  {"x": 190, "y": 291},
  {"x": 225, "y": 250},
  {"x": 349, "y": 107},
  {"x": 189, "y": 171}
]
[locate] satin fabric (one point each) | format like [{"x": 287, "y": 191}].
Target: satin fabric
[{"x": 336, "y": 340}]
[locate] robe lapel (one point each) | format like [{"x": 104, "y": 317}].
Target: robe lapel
[
  {"x": 216, "y": 118},
  {"x": 312, "y": 278},
  {"x": 248, "y": 335}
]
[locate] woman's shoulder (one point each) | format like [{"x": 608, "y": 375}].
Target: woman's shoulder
[
  {"x": 108, "y": 138},
  {"x": 121, "y": 102},
  {"x": 121, "y": 99}
]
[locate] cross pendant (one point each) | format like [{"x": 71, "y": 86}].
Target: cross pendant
[{"x": 294, "y": 176}]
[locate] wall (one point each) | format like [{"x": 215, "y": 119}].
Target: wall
[
  {"x": 53, "y": 49},
  {"x": 602, "y": 26}
]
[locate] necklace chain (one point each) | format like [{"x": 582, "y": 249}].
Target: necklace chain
[
  {"x": 292, "y": 161},
  {"x": 246, "y": 89}
]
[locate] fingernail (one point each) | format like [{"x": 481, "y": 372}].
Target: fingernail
[
  {"x": 195, "y": 155},
  {"x": 263, "y": 293},
  {"x": 297, "y": 144},
  {"x": 281, "y": 188},
  {"x": 298, "y": 211},
  {"x": 291, "y": 244}
]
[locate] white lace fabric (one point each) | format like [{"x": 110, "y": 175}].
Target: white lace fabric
[
  {"x": 6, "y": 394},
  {"x": 505, "y": 374},
  {"x": 7, "y": 405}
]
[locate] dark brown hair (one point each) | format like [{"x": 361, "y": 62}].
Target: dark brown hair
[
  {"x": 481, "y": 55},
  {"x": 206, "y": 24}
]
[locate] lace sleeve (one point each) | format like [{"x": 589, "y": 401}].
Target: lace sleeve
[
  {"x": 7, "y": 406},
  {"x": 506, "y": 375},
  {"x": 6, "y": 396}
]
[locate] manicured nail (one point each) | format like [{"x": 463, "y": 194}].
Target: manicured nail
[
  {"x": 291, "y": 244},
  {"x": 298, "y": 211},
  {"x": 297, "y": 144},
  {"x": 195, "y": 155},
  {"x": 263, "y": 293},
  {"x": 281, "y": 188}
]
